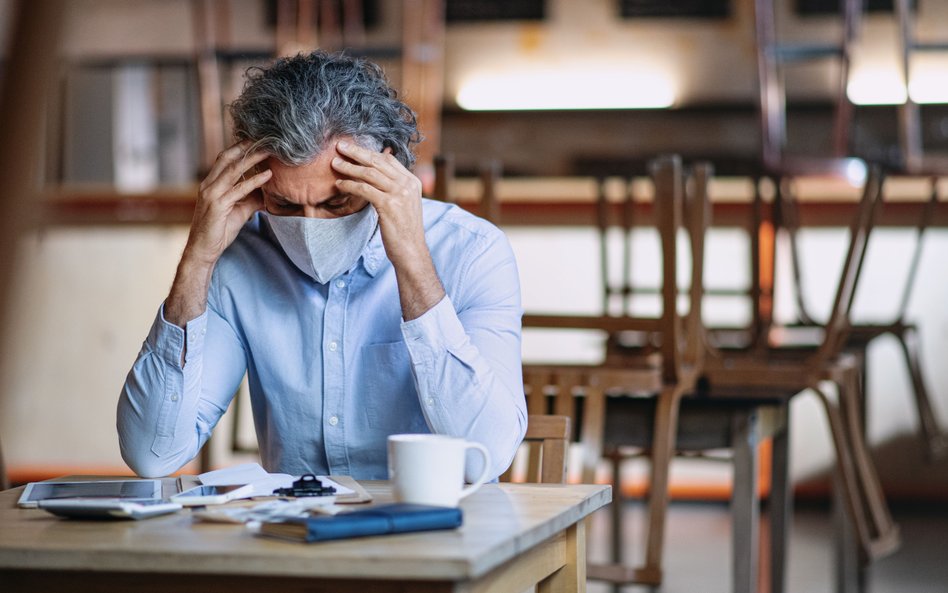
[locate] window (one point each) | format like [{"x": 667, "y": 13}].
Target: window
[
  {"x": 824, "y": 7},
  {"x": 462, "y": 11},
  {"x": 679, "y": 8}
]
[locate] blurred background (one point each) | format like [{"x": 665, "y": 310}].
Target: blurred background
[{"x": 535, "y": 101}]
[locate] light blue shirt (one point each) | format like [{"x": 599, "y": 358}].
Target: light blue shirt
[{"x": 332, "y": 368}]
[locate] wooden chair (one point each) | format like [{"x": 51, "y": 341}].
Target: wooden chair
[
  {"x": 774, "y": 56},
  {"x": 781, "y": 373},
  {"x": 916, "y": 157},
  {"x": 666, "y": 374},
  {"x": 610, "y": 426},
  {"x": 861, "y": 334},
  {"x": 613, "y": 412},
  {"x": 547, "y": 442}
]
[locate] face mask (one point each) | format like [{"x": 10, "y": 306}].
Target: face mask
[{"x": 325, "y": 248}]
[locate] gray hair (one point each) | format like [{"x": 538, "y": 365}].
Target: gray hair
[{"x": 295, "y": 106}]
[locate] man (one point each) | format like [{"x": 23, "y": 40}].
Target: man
[{"x": 356, "y": 308}]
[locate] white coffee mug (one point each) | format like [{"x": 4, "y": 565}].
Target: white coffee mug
[{"x": 429, "y": 468}]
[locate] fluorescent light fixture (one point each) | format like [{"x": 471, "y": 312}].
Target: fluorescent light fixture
[
  {"x": 567, "y": 88},
  {"x": 884, "y": 86},
  {"x": 876, "y": 86},
  {"x": 929, "y": 85}
]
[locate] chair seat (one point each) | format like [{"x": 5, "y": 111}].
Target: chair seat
[{"x": 702, "y": 424}]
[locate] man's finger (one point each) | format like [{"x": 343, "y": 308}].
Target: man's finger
[
  {"x": 361, "y": 189},
  {"x": 384, "y": 162},
  {"x": 253, "y": 202},
  {"x": 238, "y": 168},
  {"x": 245, "y": 187},
  {"x": 369, "y": 175},
  {"x": 223, "y": 159},
  {"x": 234, "y": 172}
]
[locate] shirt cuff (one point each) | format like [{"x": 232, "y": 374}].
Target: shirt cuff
[
  {"x": 437, "y": 330},
  {"x": 167, "y": 339}
]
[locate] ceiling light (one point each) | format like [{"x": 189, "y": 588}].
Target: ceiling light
[{"x": 559, "y": 88}]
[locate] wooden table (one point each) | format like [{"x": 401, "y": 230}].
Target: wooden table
[{"x": 514, "y": 536}]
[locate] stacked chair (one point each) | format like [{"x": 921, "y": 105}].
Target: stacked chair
[
  {"x": 668, "y": 374},
  {"x": 733, "y": 397},
  {"x": 839, "y": 357},
  {"x": 860, "y": 334}
]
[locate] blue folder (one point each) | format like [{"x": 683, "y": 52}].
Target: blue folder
[{"x": 380, "y": 520}]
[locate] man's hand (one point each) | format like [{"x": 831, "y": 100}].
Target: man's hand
[
  {"x": 396, "y": 194},
  {"x": 225, "y": 202}
]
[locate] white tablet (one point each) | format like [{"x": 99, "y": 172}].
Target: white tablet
[
  {"x": 116, "y": 489},
  {"x": 108, "y": 508}
]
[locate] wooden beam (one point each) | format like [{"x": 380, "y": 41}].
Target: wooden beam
[{"x": 33, "y": 57}]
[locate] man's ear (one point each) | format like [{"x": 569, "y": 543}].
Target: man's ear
[{"x": 387, "y": 150}]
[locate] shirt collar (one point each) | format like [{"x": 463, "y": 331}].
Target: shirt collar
[{"x": 373, "y": 256}]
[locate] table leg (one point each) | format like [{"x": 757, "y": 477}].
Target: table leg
[
  {"x": 850, "y": 575},
  {"x": 780, "y": 508},
  {"x": 571, "y": 578},
  {"x": 745, "y": 511}
]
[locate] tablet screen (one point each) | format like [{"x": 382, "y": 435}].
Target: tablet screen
[{"x": 37, "y": 491}]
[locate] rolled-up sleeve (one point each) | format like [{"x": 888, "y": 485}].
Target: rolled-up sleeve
[
  {"x": 466, "y": 360},
  {"x": 167, "y": 409}
]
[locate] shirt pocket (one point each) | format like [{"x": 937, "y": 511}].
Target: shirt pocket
[{"x": 389, "y": 393}]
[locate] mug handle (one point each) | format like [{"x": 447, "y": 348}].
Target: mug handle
[{"x": 468, "y": 490}]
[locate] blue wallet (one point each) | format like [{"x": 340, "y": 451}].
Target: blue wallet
[{"x": 380, "y": 520}]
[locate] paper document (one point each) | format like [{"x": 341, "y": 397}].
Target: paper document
[
  {"x": 271, "y": 510},
  {"x": 264, "y": 483}
]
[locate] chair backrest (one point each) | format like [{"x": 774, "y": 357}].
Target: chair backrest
[
  {"x": 680, "y": 203},
  {"x": 925, "y": 219},
  {"x": 547, "y": 440},
  {"x": 579, "y": 392},
  {"x": 916, "y": 158},
  {"x": 773, "y": 55},
  {"x": 837, "y": 327},
  {"x": 697, "y": 208},
  {"x": 666, "y": 172}
]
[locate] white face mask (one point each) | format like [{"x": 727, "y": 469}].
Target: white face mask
[{"x": 325, "y": 248}]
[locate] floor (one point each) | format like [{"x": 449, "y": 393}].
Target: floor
[{"x": 697, "y": 550}]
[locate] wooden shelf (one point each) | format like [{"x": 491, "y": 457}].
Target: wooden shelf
[{"x": 174, "y": 206}]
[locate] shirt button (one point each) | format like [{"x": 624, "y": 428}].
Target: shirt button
[
  {"x": 333, "y": 346},
  {"x": 203, "y": 331},
  {"x": 333, "y": 421},
  {"x": 340, "y": 283},
  {"x": 430, "y": 401},
  {"x": 174, "y": 397}
]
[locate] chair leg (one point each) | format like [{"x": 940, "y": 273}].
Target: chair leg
[
  {"x": 780, "y": 507},
  {"x": 615, "y": 571},
  {"x": 663, "y": 449},
  {"x": 617, "y": 552},
  {"x": 935, "y": 440},
  {"x": 884, "y": 536},
  {"x": 858, "y": 483},
  {"x": 745, "y": 509},
  {"x": 664, "y": 436},
  {"x": 847, "y": 570}
]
